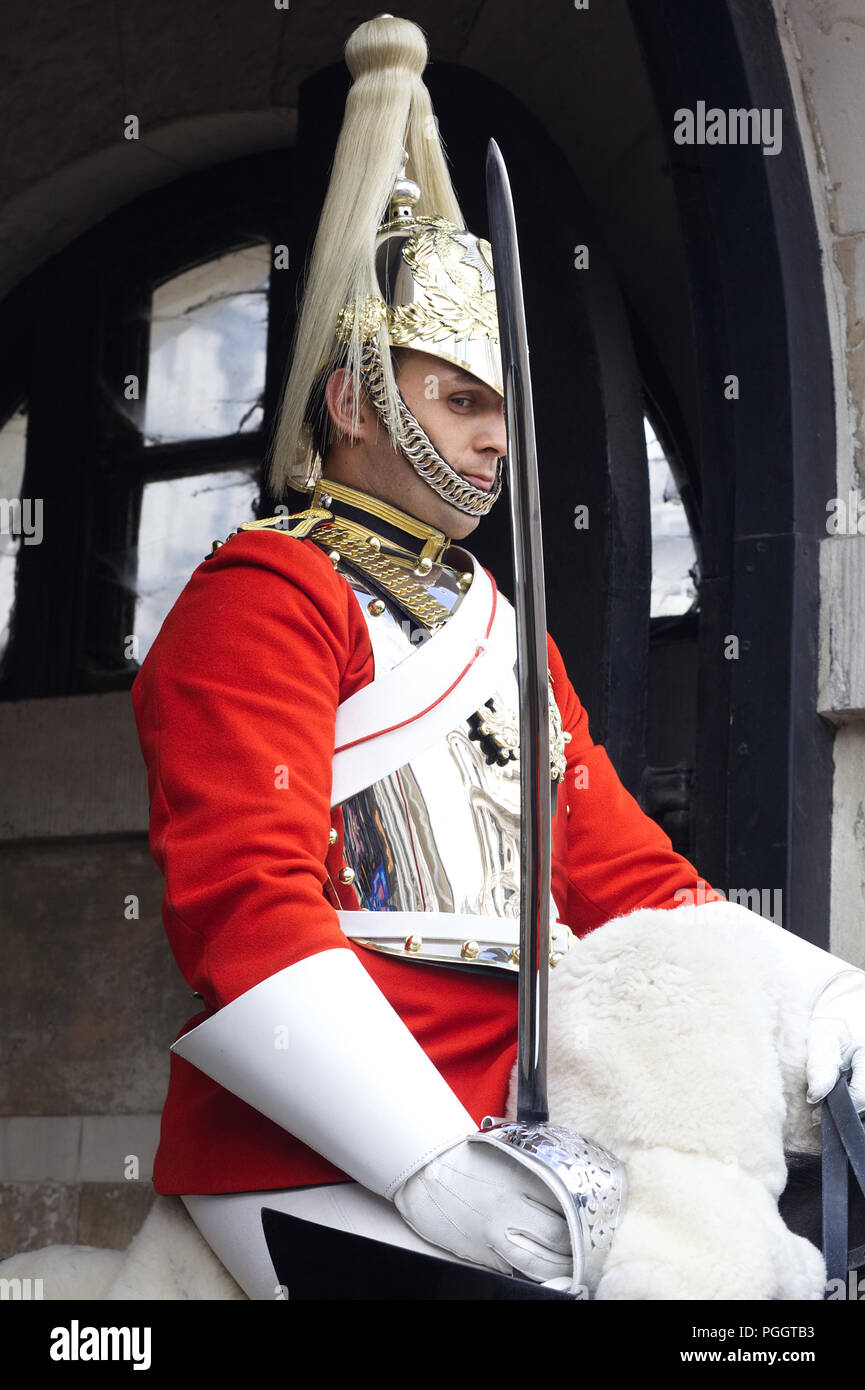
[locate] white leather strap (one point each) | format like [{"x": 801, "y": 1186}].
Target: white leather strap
[
  {"x": 406, "y": 710},
  {"x": 319, "y": 1050}
]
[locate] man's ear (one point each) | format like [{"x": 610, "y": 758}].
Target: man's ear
[{"x": 338, "y": 395}]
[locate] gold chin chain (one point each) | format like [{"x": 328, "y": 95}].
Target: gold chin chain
[{"x": 416, "y": 445}]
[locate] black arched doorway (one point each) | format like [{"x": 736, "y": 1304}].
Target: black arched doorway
[{"x": 762, "y": 810}]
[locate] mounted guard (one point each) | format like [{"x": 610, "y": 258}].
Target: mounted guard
[{"x": 358, "y": 756}]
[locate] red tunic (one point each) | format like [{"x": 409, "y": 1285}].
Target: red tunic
[{"x": 235, "y": 706}]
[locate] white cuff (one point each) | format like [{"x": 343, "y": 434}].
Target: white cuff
[{"x": 319, "y": 1050}]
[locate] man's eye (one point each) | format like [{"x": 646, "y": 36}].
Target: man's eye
[{"x": 460, "y": 400}]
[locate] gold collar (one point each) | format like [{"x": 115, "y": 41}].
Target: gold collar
[{"x": 394, "y": 527}]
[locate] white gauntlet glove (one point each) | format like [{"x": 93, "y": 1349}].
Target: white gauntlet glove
[
  {"x": 319, "y": 1050},
  {"x": 836, "y": 1041},
  {"x": 484, "y": 1207}
]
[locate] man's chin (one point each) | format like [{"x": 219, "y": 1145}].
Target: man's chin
[{"x": 459, "y": 524}]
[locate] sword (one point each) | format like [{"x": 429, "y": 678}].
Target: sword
[
  {"x": 531, "y": 611},
  {"x": 587, "y": 1180}
]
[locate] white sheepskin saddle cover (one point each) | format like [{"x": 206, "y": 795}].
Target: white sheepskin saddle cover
[{"x": 672, "y": 1042}]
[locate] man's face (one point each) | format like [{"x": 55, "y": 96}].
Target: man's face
[{"x": 463, "y": 417}]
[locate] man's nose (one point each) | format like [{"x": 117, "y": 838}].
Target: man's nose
[{"x": 493, "y": 435}]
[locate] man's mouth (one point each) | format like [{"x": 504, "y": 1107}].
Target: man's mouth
[{"x": 480, "y": 480}]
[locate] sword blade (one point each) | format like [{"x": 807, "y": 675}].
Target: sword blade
[{"x": 530, "y": 604}]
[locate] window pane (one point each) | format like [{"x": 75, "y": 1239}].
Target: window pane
[
  {"x": 180, "y": 519},
  {"x": 674, "y": 555},
  {"x": 16, "y": 516},
  {"x": 208, "y": 340}
]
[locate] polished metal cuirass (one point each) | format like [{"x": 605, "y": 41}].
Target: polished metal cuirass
[{"x": 441, "y": 834}]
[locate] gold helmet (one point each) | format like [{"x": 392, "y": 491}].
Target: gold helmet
[{"x": 392, "y": 267}]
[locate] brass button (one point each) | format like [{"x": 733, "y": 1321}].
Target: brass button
[
  {"x": 325, "y": 500},
  {"x": 332, "y": 836},
  {"x": 464, "y": 581},
  {"x": 568, "y": 810},
  {"x": 374, "y": 543},
  {"x": 334, "y": 557},
  {"x": 555, "y": 957},
  {"x": 413, "y": 943},
  {"x": 346, "y": 875},
  {"x": 375, "y": 607},
  {"x": 216, "y": 545},
  {"x": 470, "y": 950},
  {"x": 423, "y": 567},
  {"x": 514, "y": 956},
  {"x": 566, "y": 736}
]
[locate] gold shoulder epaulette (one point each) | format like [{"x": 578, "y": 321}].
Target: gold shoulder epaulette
[{"x": 298, "y": 524}]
